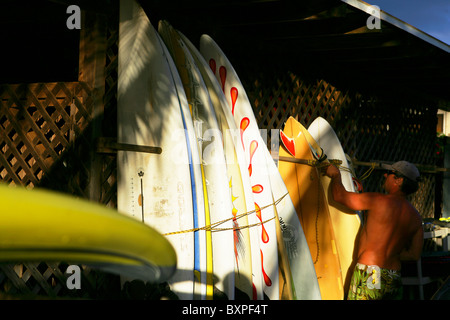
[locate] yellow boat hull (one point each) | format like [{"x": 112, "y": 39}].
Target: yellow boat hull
[{"x": 40, "y": 225}]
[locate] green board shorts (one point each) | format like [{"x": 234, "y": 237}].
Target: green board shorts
[{"x": 375, "y": 283}]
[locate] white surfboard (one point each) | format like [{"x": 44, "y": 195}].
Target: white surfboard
[
  {"x": 153, "y": 188},
  {"x": 212, "y": 158},
  {"x": 346, "y": 223},
  {"x": 254, "y": 148},
  {"x": 247, "y": 242}
]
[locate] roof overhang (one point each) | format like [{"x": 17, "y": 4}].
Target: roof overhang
[
  {"x": 324, "y": 39},
  {"x": 327, "y": 39},
  {"x": 384, "y": 16}
]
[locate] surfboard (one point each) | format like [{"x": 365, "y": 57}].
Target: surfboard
[
  {"x": 254, "y": 148},
  {"x": 42, "y": 225},
  {"x": 248, "y": 276},
  {"x": 203, "y": 266},
  {"x": 212, "y": 159},
  {"x": 357, "y": 184},
  {"x": 307, "y": 194},
  {"x": 154, "y": 188},
  {"x": 346, "y": 223}
]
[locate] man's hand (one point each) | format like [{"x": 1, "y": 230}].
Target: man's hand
[{"x": 332, "y": 171}]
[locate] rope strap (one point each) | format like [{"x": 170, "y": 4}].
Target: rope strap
[
  {"x": 213, "y": 226},
  {"x": 321, "y": 164},
  {"x": 368, "y": 172},
  {"x": 312, "y": 162}
]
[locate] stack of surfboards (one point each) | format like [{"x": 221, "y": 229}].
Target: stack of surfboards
[
  {"x": 214, "y": 191},
  {"x": 292, "y": 275}
]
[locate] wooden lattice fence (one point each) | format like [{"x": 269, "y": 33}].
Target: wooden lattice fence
[
  {"x": 44, "y": 280},
  {"x": 38, "y": 123},
  {"x": 45, "y": 141},
  {"x": 387, "y": 131},
  {"x": 370, "y": 129},
  {"x": 49, "y": 135}
]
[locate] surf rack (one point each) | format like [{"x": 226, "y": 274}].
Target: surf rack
[
  {"x": 377, "y": 165},
  {"x": 312, "y": 163},
  {"x": 110, "y": 145},
  {"x": 213, "y": 226},
  {"x": 373, "y": 164}
]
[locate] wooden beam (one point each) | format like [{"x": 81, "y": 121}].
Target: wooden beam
[
  {"x": 110, "y": 145},
  {"x": 377, "y": 165},
  {"x": 424, "y": 168}
]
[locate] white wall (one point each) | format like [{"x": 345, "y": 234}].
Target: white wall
[{"x": 446, "y": 115}]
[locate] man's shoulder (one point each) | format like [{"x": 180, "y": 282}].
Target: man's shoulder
[
  {"x": 386, "y": 203},
  {"x": 380, "y": 197}
]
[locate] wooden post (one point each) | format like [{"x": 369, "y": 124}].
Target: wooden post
[
  {"x": 92, "y": 71},
  {"x": 446, "y": 182}
]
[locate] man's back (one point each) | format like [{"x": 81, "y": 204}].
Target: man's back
[{"x": 391, "y": 224}]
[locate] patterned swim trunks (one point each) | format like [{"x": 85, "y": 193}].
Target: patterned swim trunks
[{"x": 375, "y": 283}]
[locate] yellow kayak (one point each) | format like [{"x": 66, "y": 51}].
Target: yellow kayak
[{"x": 41, "y": 225}]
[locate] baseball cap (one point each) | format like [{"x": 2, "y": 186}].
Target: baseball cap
[{"x": 405, "y": 168}]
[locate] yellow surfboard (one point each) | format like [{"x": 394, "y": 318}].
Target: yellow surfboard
[
  {"x": 38, "y": 225},
  {"x": 306, "y": 191}
]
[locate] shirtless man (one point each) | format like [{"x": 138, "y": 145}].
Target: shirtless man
[{"x": 391, "y": 233}]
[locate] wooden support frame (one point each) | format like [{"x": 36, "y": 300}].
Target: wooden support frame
[
  {"x": 92, "y": 64},
  {"x": 110, "y": 145}
]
